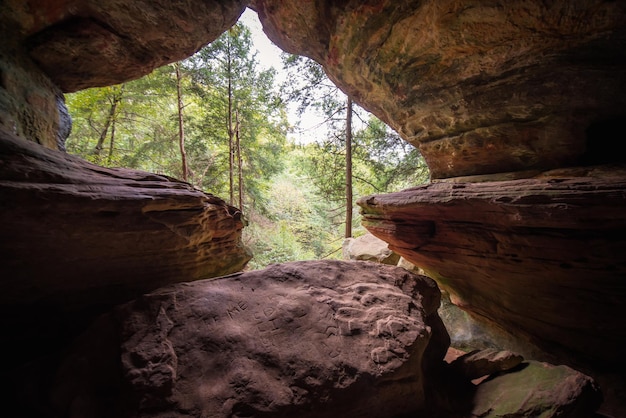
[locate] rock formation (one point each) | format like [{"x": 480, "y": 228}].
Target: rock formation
[
  {"x": 81, "y": 44},
  {"x": 549, "y": 236},
  {"x": 537, "y": 390},
  {"x": 478, "y": 86},
  {"x": 499, "y": 91},
  {"x": 494, "y": 94},
  {"x": 79, "y": 238},
  {"x": 368, "y": 247},
  {"x": 306, "y": 339}
]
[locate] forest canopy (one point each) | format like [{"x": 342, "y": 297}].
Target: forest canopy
[{"x": 222, "y": 123}]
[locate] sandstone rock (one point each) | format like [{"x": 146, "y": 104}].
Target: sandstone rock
[
  {"x": 99, "y": 43},
  {"x": 479, "y": 87},
  {"x": 405, "y": 264},
  {"x": 53, "y": 46},
  {"x": 29, "y": 101},
  {"x": 538, "y": 390},
  {"x": 305, "y": 339},
  {"x": 542, "y": 257},
  {"x": 369, "y": 248},
  {"x": 78, "y": 237},
  {"x": 479, "y": 363}
]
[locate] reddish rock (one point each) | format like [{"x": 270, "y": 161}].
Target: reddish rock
[
  {"x": 50, "y": 47},
  {"x": 99, "y": 43},
  {"x": 479, "y": 87},
  {"x": 305, "y": 339},
  {"x": 542, "y": 257},
  {"x": 76, "y": 236}
]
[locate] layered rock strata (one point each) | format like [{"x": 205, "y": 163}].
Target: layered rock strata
[
  {"x": 503, "y": 88},
  {"x": 542, "y": 256},
  {"x": 77, "y": 237},
  {"x": 306, "y": 339}
]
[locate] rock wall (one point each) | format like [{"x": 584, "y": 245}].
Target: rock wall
[
  {"x": 77, "y": 239},
  {"x": 522, "y": 252},
  {"x": 480, "y": 87}
]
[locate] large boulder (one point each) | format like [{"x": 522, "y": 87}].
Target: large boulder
[
  {"x": 77, "y": 239},
  {"x": 537, "y": 390},
  {"x": 496, "y": 384},
  {"x": 306, "y": 339}
]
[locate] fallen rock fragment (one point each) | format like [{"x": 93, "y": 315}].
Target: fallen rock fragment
[
  {"x": 537, "y": 390},
  {"x": 369, "y": 248},
  {"x": 479, "y": 363}
]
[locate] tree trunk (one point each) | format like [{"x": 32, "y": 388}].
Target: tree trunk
[
  {"x": 239, "y": 161},
  {"x": 231, "y": 150},
  {"x": 112, "y": 143},
  {"x": 110, "y": 123},
  {"x": 348, "y": 233},
  {"x": 181, "y": 126}
]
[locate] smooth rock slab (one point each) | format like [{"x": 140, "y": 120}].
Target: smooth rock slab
[{"x": 319, "y": 338}]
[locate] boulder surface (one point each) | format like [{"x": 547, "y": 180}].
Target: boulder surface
[{"x": 306, "y": 339}]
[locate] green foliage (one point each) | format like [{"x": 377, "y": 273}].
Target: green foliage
[
  {"x": 295, "y": 224},
  {"x": 223, "y": 76},
  {"x": 294, "y": 194}
]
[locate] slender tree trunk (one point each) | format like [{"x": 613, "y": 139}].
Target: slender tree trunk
[
  {"x": 112, "y": 143},
  {"x": 348, "y": 233},
  {"x": 181, "y": 126},
  {"x": 110, "y": 123},
  {"x": 231, "y": 150},
  {"x": 239, "y": 160},
  {"x": 107, "y": 124}
]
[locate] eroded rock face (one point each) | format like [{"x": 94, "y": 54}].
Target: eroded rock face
[
  {"x": 540, "y": 256},
  {"x": 306, "y": 339},
  {"x": 479, "y": 87},
  {"x": 82, "y": 44},
  {"x": 50, "y": 47},
  {"x": 77, "y": 237}
]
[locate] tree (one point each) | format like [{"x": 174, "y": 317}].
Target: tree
[
  {"x": 310, "y": 87},
  {"x": 372, "y": 159},
  {"x": 243, "y": 113},
  {"x": 140, "y": 118},
  {"x": 181, "y": 125},
  {"x": 348, "y": 232}
]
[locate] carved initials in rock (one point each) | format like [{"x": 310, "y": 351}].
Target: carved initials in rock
[{"x": 236, "y": 309}]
